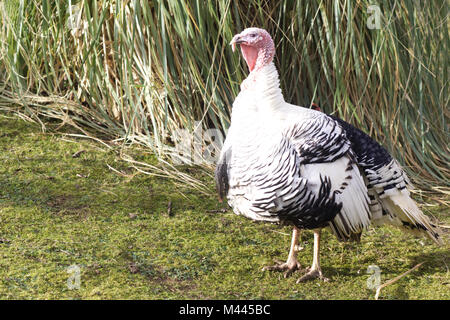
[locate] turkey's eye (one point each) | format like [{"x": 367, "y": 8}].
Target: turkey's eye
[{"x": 252, "y": 35}]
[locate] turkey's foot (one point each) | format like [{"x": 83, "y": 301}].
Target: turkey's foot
[
  {"x": 289, "y": 267},
  {"x": 312, "y": 273}
]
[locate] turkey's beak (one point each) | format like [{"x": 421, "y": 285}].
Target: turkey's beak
[{"x": 236, "y": 40}]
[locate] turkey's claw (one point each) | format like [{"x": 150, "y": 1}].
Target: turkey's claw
[
  {"x": 312, "y": 273},
  {"x": 289, "y": 267}
]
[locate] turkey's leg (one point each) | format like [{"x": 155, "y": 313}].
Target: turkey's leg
[
  {"x": 291, "y": 264},
  {"x": 314, "y": 271}
]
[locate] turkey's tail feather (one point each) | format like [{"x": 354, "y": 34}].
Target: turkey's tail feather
[
  {"x": 386, "y": 204},
  {"x": 391, "y": 203},
  {"x": 402, "y": 211}
]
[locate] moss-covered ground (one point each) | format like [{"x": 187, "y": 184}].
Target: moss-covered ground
[{"x": 58, "y": 211}]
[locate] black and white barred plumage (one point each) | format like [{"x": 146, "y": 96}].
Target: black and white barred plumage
[{"x": 284, "y": 163}]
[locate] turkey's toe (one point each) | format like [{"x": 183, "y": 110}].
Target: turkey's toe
[
  {"x": 289, "y": 267},
  {"x": 312, "y": 274}
]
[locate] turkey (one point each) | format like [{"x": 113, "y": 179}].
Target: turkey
[{"x": 283, "y": 163}]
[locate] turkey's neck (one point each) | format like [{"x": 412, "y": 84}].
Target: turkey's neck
[
  {"x": 258, "y": 106},
  {"x": 266, "y": 84}
]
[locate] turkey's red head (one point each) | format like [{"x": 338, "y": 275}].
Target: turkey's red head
[{"x": 256, "y": 45}]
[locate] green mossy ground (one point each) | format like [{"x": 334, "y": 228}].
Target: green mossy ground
[{"x": 57, "y": 211}]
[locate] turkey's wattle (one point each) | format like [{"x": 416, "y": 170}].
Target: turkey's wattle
[{"x": 285, "y": 163}]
